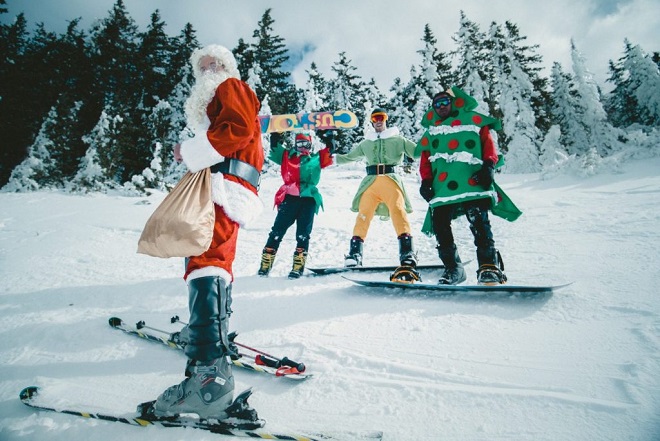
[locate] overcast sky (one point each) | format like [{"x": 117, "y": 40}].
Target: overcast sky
[{"x": 382, "y": 37}]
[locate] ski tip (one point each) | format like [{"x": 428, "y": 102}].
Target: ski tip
[
  {"x": 28, "y": 393},
  {"x": 115, "y": 321}
]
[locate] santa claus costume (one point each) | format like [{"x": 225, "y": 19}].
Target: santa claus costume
[{"x": 222, "y": 112}]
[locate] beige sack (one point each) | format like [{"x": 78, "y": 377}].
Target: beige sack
[{"x": 182, "y": 224}]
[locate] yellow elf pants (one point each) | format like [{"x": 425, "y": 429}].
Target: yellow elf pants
[{"x": 383, "y": 190}]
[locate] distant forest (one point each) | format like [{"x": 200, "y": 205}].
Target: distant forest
[{"x": 99, "y": 109}]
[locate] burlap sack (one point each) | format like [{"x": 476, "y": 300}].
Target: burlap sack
[{"x": 182, "y": 224}]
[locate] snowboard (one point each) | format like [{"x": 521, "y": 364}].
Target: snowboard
[
  {"x": 344, "y": 269},
  {"x": 339, "y": 119},
  {"x": 473, "y": 290}
]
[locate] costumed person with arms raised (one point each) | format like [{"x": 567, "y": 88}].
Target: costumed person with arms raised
[
  {"x": 222, "y": 111},
  {"x": 382, "y": 193},
  {"x": 457, "y": 167},
  {"x": 298, "y": 199}
]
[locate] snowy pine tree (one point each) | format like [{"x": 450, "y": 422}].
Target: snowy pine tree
[
  {"x": 602, "y": 136},
  {"x": 567, "y": 112},
  {"x": 644, "y": 85},
  {"x": 471, "y": 72},
  {"x": 514, "y": 93},
  {"x": 552, "y": 157},
  {"x": 34, "y": 172}
]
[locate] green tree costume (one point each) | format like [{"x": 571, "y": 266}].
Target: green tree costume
[{"x": 455, "y": 152}]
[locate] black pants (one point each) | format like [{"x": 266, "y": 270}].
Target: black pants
[
  {"x": 293, "y": 209},
  {"x": 477, "y": 215}
]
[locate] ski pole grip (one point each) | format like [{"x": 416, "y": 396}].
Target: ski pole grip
[
  {"x": 267, "y": 361},
  {"x": 288, "y": 362}
]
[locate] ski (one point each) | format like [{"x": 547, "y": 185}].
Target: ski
[
  {"x": 144, "y": 417},
  {"x": 263, "y": 363},
  {"x": 472, "y": 290},
  {"x": 346, "y": 269}
]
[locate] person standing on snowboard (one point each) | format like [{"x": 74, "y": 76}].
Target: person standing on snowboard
[
  {"x": 382, "y": 193},
  {"x": 222, "y": 111},
  {"x": 457, "y": 167},
  {"x": 298, "y": 199}
]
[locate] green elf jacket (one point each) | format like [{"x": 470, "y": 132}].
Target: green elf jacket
[
  {"x": 387, "y": 147},
  {"x": 455, "y": 150},
  {"x": 300, "y": 173}
]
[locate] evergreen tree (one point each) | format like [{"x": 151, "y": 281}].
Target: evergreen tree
[
  {"x": 435, "y": 70},
  {"x": 472, "y": 70},
  {"x": 567, "y": 112},
  {"x": 531, "y": 63},
  {"x": 602, "y": 135},
  {"x": 155, "y": 54},
  {"x": 244, "y": 58},
  {"x": 621, "y": 105},
  {"x": 90, "y": 176},
  {"x": 315, "y": 94},
  {"x": 116, "y": 42},
  {"x": 431, "y": 76},
  {"x": 24, "y": 96},
  {"x": 36, "y": 171},
  {"x": 346, "y": 93},
  {"x": 643, "y": 86},
  {"x": 270, "y": 54},
  {"x": 553, "y": 157},
  {"x": 514, "y": 92}
]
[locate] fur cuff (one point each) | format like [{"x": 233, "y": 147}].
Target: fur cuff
[
  {"x": 198, "y": 153},
  {"x": 239, "y": 203},
  {"x": 210, "y": 271}
]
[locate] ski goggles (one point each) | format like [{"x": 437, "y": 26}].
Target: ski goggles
[
  {"x": 303, "y": 145},
  {"x": 378, "y": 117},
  {"x": 441, "y": 102}
]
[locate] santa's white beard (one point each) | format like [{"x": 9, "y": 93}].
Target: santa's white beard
[{"x": 200, "y": 97}]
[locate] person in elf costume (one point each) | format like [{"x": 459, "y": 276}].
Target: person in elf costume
[
  {"x": 382, "y": 193},
  {"x": 223, "y": 112},
  {"x": 457, "y": 167},
  {"x": 298, "y": 199}
]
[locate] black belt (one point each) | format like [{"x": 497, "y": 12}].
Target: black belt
[
  {"x": 240, "y": 169},
  {"x": 379, "y": 169}
]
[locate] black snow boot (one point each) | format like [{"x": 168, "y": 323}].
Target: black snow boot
[
  {"x": 354, "y": 256},
  {"x": 407, "y": 255},
  {"x": 454, "y": 272},
  {"x": 491, "y": 267}
]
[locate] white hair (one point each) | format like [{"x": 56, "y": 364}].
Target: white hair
[
  {"x": 207, "y": 82},
  {"x": 220, "y": 53}
]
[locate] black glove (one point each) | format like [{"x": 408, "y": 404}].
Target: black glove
[
  {"x": 485, "y": 175},
  {"x": 327, "y": 137},
  {"x": 275, "y": 138},
  {"x": 426, "y": 189}
]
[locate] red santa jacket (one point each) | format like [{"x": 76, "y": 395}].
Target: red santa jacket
[{"x": 233, "y": 132}]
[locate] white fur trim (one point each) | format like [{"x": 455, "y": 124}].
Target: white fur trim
[
  {"x": 456, "y": 157},
  {"x": 210, "y": 271},
  {"x": 387, "y": 133},
  {"x": 449, "y": 130},
  {"x": 491, "y": 194},
  {"x": 239, "y": 203},
  {"x": 198, "y": 153}
]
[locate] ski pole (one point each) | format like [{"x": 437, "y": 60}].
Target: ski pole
[
  {"x": 279, "y": 361},
  {"x": 141, "y": 324}
]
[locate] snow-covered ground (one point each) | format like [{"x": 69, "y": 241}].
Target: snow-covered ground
[{"x": 583, "y": 364}]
